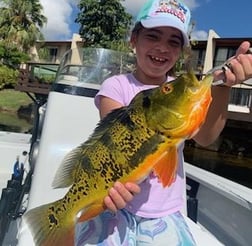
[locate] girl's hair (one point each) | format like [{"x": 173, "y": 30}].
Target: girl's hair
[
  {"x": 135, "y": 31},
  {"x": 138, "y": 26}
]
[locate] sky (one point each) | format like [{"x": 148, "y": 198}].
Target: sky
[{"x": 229, "y": 19}]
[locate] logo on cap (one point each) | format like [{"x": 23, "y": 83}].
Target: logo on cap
[{"x": 172, "y": 7}]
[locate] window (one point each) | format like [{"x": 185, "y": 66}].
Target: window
[
  {"x": 222, "y": 54},
  {"x": 241, "y": 97},
  {"x": 53, "y": 54},
  {"x": 198, "y": 59}
]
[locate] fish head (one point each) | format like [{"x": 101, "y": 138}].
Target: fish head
[{"x": 178, "y": 108}]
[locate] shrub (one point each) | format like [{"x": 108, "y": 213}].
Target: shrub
[{"x": 8, "y": 77}]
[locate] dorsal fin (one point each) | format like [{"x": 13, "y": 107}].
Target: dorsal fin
[{"x": 65, "y": 174}]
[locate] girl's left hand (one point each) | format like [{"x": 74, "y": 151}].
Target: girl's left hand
[{"x": 119, "y": 195}]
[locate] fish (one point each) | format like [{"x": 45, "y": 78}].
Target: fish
[{"x": 126, "y": 146}]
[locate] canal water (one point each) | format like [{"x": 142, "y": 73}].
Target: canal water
[
  {"x": 229, "y": 157},
  {"x": 11, "y": 122}
]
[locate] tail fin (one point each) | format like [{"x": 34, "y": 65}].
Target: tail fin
[{"x": 47, "y": 229}]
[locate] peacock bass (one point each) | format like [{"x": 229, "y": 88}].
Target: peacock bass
[{"x": 128, "y": 144}]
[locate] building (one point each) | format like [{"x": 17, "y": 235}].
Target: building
[
  {"x": 214, "y": 52},
  {"x": 206, "y": 54}
]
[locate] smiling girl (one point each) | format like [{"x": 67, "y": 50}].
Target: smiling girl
[{"x": 148, "y": 214}]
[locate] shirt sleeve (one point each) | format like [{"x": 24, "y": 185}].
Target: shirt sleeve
[{"x": 111, "y": 88}]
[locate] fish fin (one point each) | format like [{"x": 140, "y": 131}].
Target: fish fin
[
  {"x": 46, "y": 229},
  {"x": 65, "y": 175},
  {"x": 92, "y": 211},
  {"x": 166, "y": 167}
]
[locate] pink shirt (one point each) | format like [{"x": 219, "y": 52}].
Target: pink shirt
[{"x": 153, "y": 201}]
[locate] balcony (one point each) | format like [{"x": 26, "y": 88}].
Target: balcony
[{"x": 240, "y": 102}]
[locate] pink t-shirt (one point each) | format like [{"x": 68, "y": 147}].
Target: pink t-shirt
[{"x": 153, "y": 201}]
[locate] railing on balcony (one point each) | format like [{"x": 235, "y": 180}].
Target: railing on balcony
[
  {"x": 36, "y": 78},
  {"x": 241, "y": 97}
]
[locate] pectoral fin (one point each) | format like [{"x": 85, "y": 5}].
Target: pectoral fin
[{"x": 166, "y": 166}]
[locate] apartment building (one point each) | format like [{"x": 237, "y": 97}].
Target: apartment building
[
  {"x": 214, "y": 52},
  {"x": 206, "y": 54}
]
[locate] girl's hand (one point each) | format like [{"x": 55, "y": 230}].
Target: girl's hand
[
  {"x": 119, "y": 195},
  {"x": 240, "y": 67}
]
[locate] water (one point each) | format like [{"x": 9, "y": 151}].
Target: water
[
  {"x": 229, "y": 157},
  {"x": 14, "y": 122}
]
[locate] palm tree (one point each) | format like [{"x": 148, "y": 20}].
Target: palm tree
[{"x": 20, "y": 22}]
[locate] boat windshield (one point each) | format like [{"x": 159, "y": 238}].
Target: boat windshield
[{"x": 83, "y": 66}]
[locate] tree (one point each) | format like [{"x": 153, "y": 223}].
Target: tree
[
  {"x": 20, "y": 22},
  {"x": 103, "y": 22},
  {"x": 11, "y": 56},
  {"x": 10, "y": 59},
  {"x": 8, "y": 77}
]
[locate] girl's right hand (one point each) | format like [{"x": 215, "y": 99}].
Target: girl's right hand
[{"x": 119, "y": 195}]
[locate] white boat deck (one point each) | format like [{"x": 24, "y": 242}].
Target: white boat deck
[
  {"x": 224, "y": 207},
  {"x": 201, "y": 235}
]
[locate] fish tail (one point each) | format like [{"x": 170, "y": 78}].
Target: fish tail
[{"x": 47, "y": 229}]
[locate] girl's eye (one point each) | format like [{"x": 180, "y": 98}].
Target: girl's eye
[
  {"x": 152, "y": 36},
  {"x": 175, "y": 43}
]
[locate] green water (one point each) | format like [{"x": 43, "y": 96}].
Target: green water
[{"x": 10, "y": 121}]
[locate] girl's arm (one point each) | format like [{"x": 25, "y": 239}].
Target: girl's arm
[{"x": 241, "y": 66}]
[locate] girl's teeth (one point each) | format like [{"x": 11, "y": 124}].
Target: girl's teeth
[{"x": 158, "y": 59}]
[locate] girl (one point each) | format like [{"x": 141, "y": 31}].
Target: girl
[{"x": 148, "y": 213}]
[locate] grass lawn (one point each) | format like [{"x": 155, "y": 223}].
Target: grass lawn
[{"x": 11, "y": 100}]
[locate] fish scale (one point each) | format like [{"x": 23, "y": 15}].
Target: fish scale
[{"x": 126, "y": 146}]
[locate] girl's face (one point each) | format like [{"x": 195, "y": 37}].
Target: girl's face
[{"x": 157, "y": 50}]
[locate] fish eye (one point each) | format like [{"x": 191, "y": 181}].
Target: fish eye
[{"x": 167, "y": 88}]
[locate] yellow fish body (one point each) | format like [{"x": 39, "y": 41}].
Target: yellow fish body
[{"x": 127, "y": 145}]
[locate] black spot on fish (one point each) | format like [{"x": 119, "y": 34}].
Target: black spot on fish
[
  {"x": 58, "y": 210},
  {"x": 52, "y": 219},
  {"x": 146, "y": 102},
  {"x": 87, "y": 166},
  {"x": 126, "y": 121},
  {"x": 103, "y": 173},
  {"x": 80, "y": 188}
]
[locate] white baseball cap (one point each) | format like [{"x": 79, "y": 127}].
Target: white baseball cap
[{"x": 170, "y": 13}]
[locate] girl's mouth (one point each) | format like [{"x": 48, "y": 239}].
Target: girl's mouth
[{"x": 158, "y": 59}]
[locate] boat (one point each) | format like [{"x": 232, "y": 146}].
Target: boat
[{"x": 217, "y": 210}]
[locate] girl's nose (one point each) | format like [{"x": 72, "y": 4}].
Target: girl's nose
[{"x": 163, "y": 47}]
